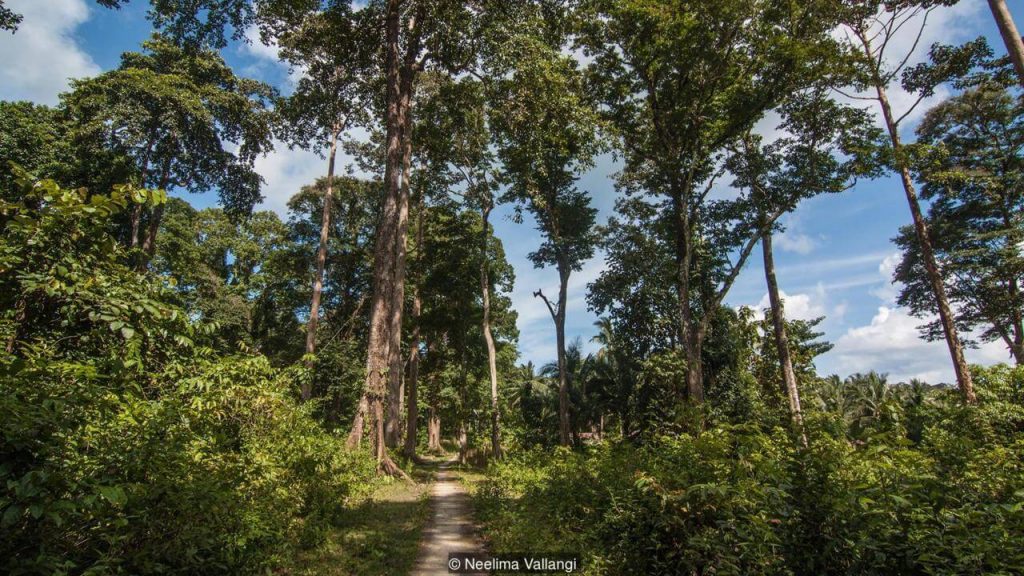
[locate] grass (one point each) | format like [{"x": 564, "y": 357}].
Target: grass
[
  {"x": 470, "y": 476},
  {"x": 380, "y": 535}
]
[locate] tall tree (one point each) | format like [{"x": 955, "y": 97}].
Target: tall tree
[
  {"x": 416, "y": 33},
  {"x": 826, "y": 147},
  {"x": 457, "y": 140},
  {"x": 970, "y": 169},
  {"x": 175, "y": 114},
  {"x": 1008, "y": 30},
  {"x": 872, "y": 27},
  {"x": 330, "y": 97},
  {"x": 680, "y": 80},
  {"x": 546, "y": 138},
  {"x": 453, "y": 304}
]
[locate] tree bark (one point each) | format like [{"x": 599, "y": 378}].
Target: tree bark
[
  {"x": 781, "y": 337},
  {"x": 384, "y": 260},
  {"x": 412, "y": 405},
  {"x": 463, "y": 437},
  {"x": 392, "y": 425},
  {"x": 690, "y": 339},
  {"x": 321, "y": 259},
  {"x": 558, "y": 316},
  {"x": 1012, "y": 39},
  {"x": 956, "y": 351},
  {"x": 149, "y": 243},
  {"x": 485, "y": 290},
  {"x": 136, "y": 224},
  {"x": 434, "y": 431}
]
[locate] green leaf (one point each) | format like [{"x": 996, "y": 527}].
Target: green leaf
[{"x": 113, "y": 494}]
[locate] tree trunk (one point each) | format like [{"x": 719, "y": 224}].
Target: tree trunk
[
  {"x": 136, "y": 224},
  {"x": 956, "y": 351},
  {"x": 695, "y": 364},
  {"x": 564, "y": 425},
  {"x": 384, "y": 259},
  {"x": 485, "y": 290},
  {"x": 781, "y": 337},
  {"x": 434, "y": 431},
  {"x": 321, "y": 259},
  {"x": 463, "y": 437},
  {"x": 149, "y": 243},
  {"x": 412, "y": 405},
  {"x": 689, "y": 338},
  {"x": 1008, "y": 30},
  {"x": 394, "y": 415}
]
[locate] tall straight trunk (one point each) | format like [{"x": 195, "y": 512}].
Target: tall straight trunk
[
  {"x": 149, "y": 243},
  {"x": 564, "y": 425},
  {"x": 557, "y": 311},
  {"x": 492, "y": 363},
  {"x": 384, "y": 260},
  {"x": 1008, "y": 30},
  {"x": 463, "y": 384},
  {"x": 691, "y": 337},
  {"x": 136, "y": 225},
  {"x": 434, "y": 431},
  {"x": 392, "y": 425},
  {"x": 781, "y": 337},
  {"x": 321, "y": 260},
  {"x": 956, "y": 351},
  {"x": 412, "y": 404},
  {"x": 136, "y": 217}
]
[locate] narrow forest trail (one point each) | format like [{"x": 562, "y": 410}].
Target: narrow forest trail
[{"x": 450, "y": 527}]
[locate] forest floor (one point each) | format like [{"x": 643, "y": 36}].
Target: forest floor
[
  {"x": 379, "y": 535},
  {"x": 451, "y": 527},
  {"x": 402, "y": 527}
]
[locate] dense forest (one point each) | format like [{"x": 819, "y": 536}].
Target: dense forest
[{"x": 227, "y": 390}]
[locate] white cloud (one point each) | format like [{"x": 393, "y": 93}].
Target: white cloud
[
  {"x": 889, "y": 290},
  {"x": 37, "y": 61},
  {"x": 286, "y": 171},
  {"x": 799, "y": 306},
  {"x": 892, "y": 342},
  {"x": 797, "y": 242},
  {"x": 254, "y": 46},
  {"x": 266, "y": 55},
  {"x": 839, "y": 263}
]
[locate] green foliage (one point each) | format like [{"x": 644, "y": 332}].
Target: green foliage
[
  {"x": 125, "y": 446},
  {"x": 743, "y": 499},
  {"x": 174, "y": 114},
  {"x": 31, "y": 136},
  {"x": 970, "y": 167}
]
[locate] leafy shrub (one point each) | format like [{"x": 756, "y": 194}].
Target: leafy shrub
[
  {"x": 742, "y": 499},
  {"x": 124, "y": 446}
]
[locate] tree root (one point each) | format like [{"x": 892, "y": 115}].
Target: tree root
[{"x": 388, "y": 467}]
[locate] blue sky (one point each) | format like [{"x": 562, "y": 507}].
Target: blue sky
[{"x": 835, "y": 258}]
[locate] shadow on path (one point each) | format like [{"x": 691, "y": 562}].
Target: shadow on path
[{"x": 450, "y": 527}]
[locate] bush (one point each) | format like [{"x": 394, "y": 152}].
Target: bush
[
  {"x": 124, "y": 446},
  {"x": 741, "y": 499}
]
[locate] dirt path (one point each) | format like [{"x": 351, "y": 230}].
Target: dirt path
[{"x": 450, "y": 527}]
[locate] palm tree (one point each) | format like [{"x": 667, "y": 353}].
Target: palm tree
[
  {"x": 611, "y": 379},
  {"x": 535, "y": 399}
]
